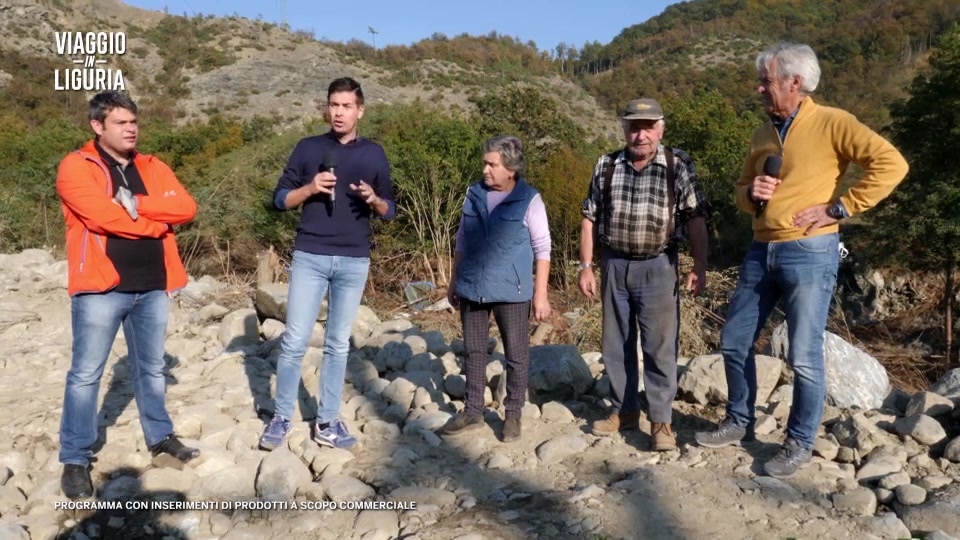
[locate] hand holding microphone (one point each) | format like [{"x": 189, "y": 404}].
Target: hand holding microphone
[
  {"x": 325, "y": 181},
  {"x": 762, "y": 188},
  {"x": 330, "y": 161}
]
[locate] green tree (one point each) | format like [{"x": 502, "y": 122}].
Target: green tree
[
  {"x": 707, "y": 127},
  {"x": 563, "y": 184},
  {"x": 533, "y": 117},
  {"x": 918, "y": 226},
  {"x": 236, "y": 217},
  {"x": 433, "y": 157},
  {"x": 28, "y": 170},
  {"x": 868, "y": 52}
]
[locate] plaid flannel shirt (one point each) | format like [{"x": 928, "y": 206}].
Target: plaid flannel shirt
[{"x": 636, "y": 222}]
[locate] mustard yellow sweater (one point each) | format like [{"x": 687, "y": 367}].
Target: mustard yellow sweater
[{"x": 820, "y": 143}]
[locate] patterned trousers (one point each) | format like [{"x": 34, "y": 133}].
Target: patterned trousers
[{"x": 513, "y": 320}]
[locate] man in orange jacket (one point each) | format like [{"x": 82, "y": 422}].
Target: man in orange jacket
[{"x": 120, "y": 207}]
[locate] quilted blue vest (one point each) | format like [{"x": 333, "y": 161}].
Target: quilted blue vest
[{"x": 497, "y": 259}]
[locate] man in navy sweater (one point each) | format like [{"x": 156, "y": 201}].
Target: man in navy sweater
[{"x": 341, "y": 180}]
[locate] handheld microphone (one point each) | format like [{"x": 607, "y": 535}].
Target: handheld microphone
[
  {"x": 771, "y": 167},
  {"x": 330, "y": 162}
]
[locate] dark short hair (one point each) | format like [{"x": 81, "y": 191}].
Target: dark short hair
[
  {"x": 345, "y": 84},
  {"x": 108, "y": 100}
]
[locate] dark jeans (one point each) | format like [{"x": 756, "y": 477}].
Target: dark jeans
[
  {"x": 641, "y": 294},
  {"x": 803, "y": 274},
  {"x": 513, "y": 320}
]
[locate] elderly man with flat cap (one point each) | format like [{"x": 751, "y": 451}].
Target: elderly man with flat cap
[{"x": 641, "y": 199}]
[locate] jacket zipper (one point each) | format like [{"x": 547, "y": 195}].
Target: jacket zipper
[
  {"x": 86, "y": 231},
  {"x": 486, "y": 225},
  {"x": 779, "y": 138},
  {"x": 83, "y": 248},
  {"x": 515, "y": 271}
]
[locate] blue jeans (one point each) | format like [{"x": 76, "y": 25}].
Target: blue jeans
[
  {"x": 310, "y": 277},
  {"x": 803, "y": 273},
  {"x": 95, "y": 321}
]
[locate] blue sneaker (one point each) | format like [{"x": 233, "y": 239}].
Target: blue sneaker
[
  {"x": 335, "y": 436},
  {"x": 275, "y": 433}
]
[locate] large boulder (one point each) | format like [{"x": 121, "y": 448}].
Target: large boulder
[
  {"x": 280, "y": 475},
  {"x": 239, "y": 328},
  {"x": 558, "y": 371},
  {"x": 854, "y": 378},
  {"x": 271, "y": 302},
  {"x": 704, "y": 380}
]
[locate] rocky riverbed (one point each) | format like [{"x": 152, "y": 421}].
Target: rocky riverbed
[{"x": 886, "y": 463}]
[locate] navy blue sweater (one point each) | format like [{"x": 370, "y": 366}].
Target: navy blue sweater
[{"x": 345, "y": 230}]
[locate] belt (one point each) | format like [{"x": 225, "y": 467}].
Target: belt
[{"x": 633, "y": 256}]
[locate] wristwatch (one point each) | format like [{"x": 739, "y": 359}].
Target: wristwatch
[
  {"x": 837, "y": 211},
  {"x": 584, "y": 266}
]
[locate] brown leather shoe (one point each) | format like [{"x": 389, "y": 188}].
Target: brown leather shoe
[
  {"x": 662, "y": 438},
  {"x": 616, "y": 422}
]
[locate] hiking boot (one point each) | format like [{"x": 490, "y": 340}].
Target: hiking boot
[
  {"x": 616, "y": 422},
  {"x": 172, "y": 445},
  {"x": 334, "y": 435},
  {"x": 789, "y": 459},
  {"x": 75, "y": 482},
  {"x": 727, "y": 433},
  {"x": 511, "y": 429},
  {"x": 462, "y": 424},
  {"x": 662, "y": 438},
  {"x": 275, "y": 433}
]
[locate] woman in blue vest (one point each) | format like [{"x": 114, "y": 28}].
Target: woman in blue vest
[{"x": 502, "y": 231}]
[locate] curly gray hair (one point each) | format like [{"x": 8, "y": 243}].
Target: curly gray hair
[
  {"x": 792, "y": 59},
  {"x": 510, "y": 149}
]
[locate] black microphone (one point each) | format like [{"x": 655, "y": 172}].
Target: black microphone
[
  {"x": 771, "y": 167},
  {"x": 330, "y": 163}
]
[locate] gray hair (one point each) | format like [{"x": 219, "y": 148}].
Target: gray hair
[
  {"x": 108, "y": 100},
  {"x": 793, "y": 59},
  {"x": 510, "y": 149}
]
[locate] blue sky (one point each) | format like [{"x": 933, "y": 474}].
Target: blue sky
[{"x": 401, "y": 22}]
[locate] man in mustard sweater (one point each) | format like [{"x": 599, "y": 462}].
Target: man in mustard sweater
[{"x": 795, "y": 250}]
